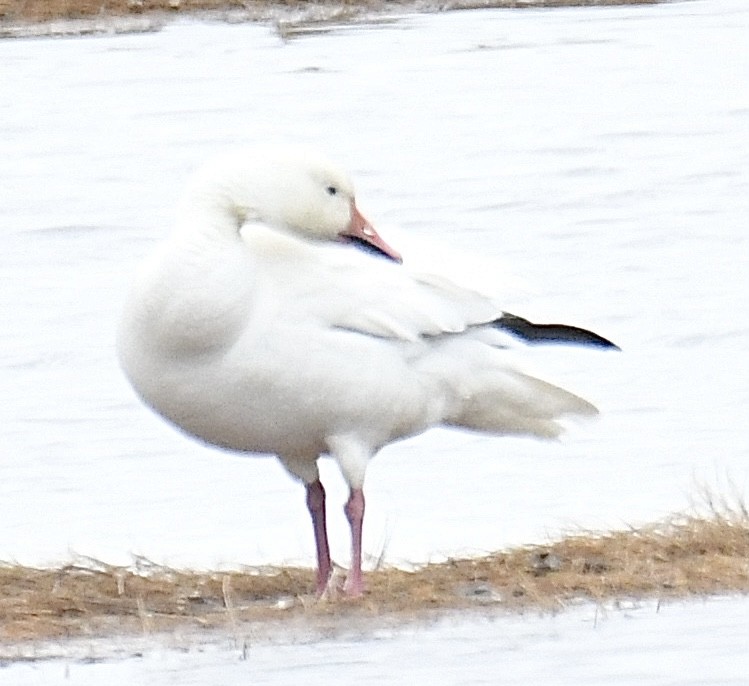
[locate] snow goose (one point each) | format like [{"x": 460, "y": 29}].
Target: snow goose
[{"x": 255, "y": 328}]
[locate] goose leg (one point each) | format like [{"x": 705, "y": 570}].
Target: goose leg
[
  {"x": 316, "y": 507},
  {"x": 354, "y": 510},
  {"x": 305, "y": 469},
  {"x": 352, "y": 455}
]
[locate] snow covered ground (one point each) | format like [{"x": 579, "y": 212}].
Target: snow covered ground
[
  {"x": 701, "y": 643},
  {"x": 601, "y": 153}
]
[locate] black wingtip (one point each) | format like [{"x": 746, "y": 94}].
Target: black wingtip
[{"x": 541, "y": 334}]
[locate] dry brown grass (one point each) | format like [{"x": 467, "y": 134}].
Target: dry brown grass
[
  {"x": 47, "y": 10},
  {"x": 687, "y": 556}
]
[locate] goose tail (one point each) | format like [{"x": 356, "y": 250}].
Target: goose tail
[{"x": 510, "y": 402}]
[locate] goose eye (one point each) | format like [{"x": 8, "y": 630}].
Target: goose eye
[{"x": 332, "y": 190}]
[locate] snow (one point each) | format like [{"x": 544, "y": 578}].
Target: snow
[{"x": 697, "y": 643}]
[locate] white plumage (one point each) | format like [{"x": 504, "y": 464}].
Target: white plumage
[{"x": 254, "y": 327}]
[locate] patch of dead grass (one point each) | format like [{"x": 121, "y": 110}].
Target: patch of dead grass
[
  {"x": 682, "y": 557},
  {"x": 49, "y": 10}
]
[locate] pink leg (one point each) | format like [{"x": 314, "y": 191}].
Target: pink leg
[
  {"x": 316, "y": 507},
  {"x": 354, "y": 510}
]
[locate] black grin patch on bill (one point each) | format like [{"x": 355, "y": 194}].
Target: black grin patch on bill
[{"x": 367, "y": 247}]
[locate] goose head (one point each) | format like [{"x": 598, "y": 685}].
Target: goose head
[{"x": 296, "y": 190}]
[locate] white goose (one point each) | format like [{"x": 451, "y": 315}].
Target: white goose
[{"x": 255, "y": 328}]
